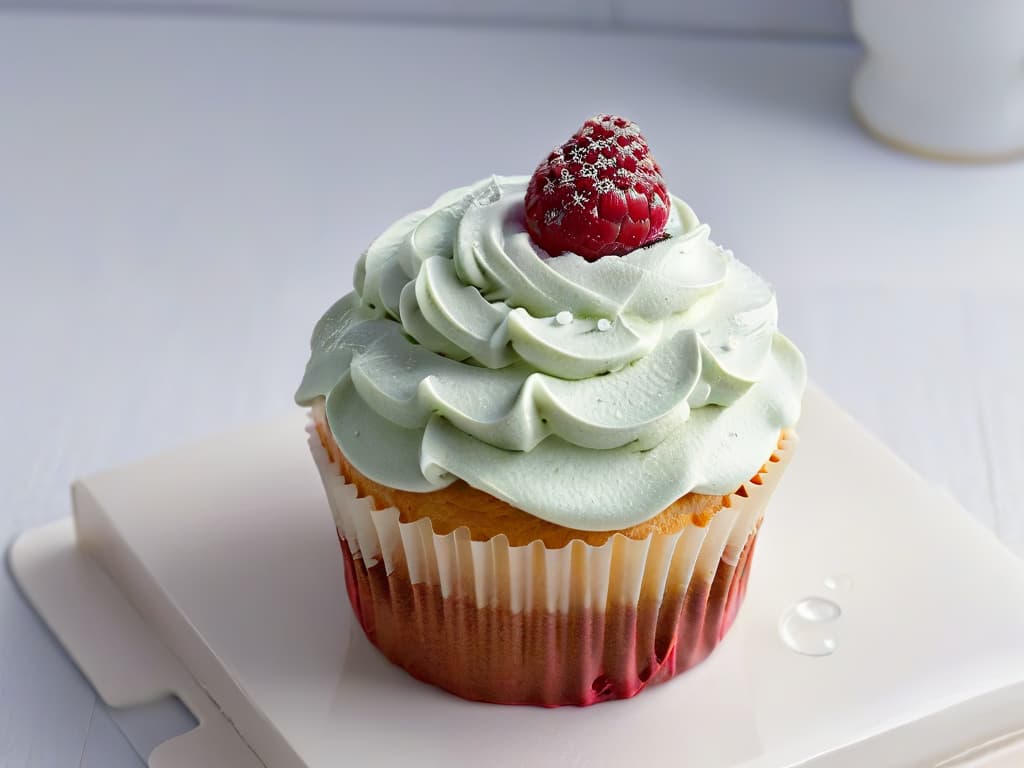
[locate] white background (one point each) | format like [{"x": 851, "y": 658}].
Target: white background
[{"x": 180, "y": 199}]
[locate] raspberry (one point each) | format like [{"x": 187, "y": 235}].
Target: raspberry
[{"x": 599, "y": 194}]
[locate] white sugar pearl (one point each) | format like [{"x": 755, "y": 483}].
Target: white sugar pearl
[
  {"x": 604, "y": 324},
  {"x": 564, "y": 317}
]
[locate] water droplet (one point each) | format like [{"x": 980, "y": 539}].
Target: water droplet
[
  {"x": 564, "y": 317},
  {"x": 604, "y": 324},
  {"x": 839, "y": 583},
  {"x": 809, "y": 626},
  {"x": 817, "y": 609}
]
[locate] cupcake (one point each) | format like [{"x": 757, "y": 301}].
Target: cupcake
[{"x": 548, "y": 420}]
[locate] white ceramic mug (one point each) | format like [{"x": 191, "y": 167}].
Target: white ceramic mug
[{"x": 942, "y": 77}]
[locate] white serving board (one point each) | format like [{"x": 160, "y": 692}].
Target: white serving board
[{"x": 214, "y": 572}]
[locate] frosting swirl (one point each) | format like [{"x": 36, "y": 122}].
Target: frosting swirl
[{"x": 589, "y": 394}]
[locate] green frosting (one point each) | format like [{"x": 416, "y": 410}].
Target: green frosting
[{"x": 590, "y": 394}]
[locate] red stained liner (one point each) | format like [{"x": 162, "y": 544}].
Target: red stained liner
[{"x": 537, "y": 657}]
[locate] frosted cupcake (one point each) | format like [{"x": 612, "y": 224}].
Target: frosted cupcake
[{"x": 548, "y": 420}]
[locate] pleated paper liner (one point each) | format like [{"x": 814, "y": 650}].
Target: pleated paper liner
[{"x": 527, "y": 624}]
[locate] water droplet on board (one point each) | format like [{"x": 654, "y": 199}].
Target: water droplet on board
[
  {"x": 839, "y": 583},
  {"x": 809, "y": 626}
]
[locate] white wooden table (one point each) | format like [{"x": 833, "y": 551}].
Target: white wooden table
[{"x": 179, "y": 200}]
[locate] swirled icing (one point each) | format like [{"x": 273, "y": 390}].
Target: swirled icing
[{"x": 589, "y": 394}]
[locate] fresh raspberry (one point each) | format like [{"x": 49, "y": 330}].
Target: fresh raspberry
[{"x": 599, "y": 194}]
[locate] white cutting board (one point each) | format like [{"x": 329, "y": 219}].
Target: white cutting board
[{"x": 227, "y": 552}]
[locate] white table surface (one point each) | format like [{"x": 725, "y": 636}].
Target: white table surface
[{"x": 180, "y": 199}]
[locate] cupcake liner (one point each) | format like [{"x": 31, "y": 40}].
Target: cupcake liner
[{"x": 527, "y": 624}]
